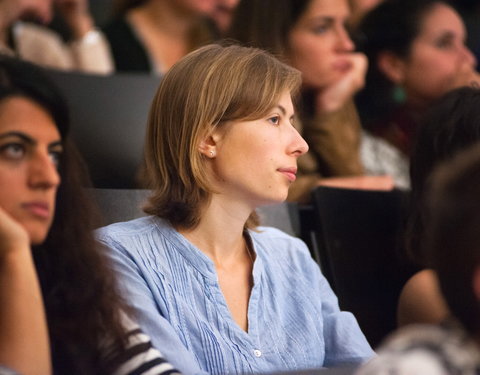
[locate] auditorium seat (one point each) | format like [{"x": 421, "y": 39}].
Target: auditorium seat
[
  {"x": 126, "y": 204},
  {"x": 360, "y": 238},
  {"x": 108, "y": 121}
]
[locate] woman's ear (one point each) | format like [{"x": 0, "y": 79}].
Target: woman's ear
[
  {"x": 208, "y": 146},
  {"x": 392, "y": 66}
]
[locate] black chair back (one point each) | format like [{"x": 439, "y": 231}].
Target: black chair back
[
  {"x": 108, "y": 121},
  {"x": 360, "y": 236}
]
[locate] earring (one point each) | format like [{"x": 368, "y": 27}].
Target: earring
[
  {"x": 212, "y": 153},
  {"x": 399, "y": 95}
]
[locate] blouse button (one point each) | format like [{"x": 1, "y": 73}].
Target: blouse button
[{"x": 257, "y": 353}]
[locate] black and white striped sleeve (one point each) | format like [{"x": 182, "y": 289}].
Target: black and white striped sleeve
[{"x": 139, "y": 356}]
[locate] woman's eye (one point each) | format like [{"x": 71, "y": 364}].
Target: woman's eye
[
  {"x": 274, "y": 120},
  {"x": 12, "y": 151},
  {"x": 444, "y": 43},
  {"x": 56, "y": 156},
  {"x": 320, "y": 29}
]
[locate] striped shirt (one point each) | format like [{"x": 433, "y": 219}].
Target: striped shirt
[{"x": 139, "y": 356}]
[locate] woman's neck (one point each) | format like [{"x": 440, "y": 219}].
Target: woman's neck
[
  {"x": 220, "y": 233},
  {"x": 165, "y": 17}
]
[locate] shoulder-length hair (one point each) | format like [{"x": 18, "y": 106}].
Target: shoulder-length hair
[
  {"x": 206, "y": 89},
  {"x": 78, "y": 287}
]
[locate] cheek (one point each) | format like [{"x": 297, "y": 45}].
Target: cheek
[
  {"x": 313, "y": 60},
  {"x": 200, "y": 6}
]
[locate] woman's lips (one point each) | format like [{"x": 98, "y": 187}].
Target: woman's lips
[
  {"x": 38, "y": 209},
  {"x": 291, "y": 173}
]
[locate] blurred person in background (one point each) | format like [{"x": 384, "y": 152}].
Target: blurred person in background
[
  {"x": 451, "y": 125},
  {"x": 149, "y": 36},
  {"x": 23, "y": 34},
  {"x": 452, "y": 251},
  {"x": 417, "y": 53}
]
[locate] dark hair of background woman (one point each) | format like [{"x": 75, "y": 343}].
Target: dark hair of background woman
[
  {"x": 120, "y": 7},
  {"x": 450, "y": 126},
  {"x": 80, "y": 295},
  {"x": 272, "y": 35},
  {"x": 391, "y": 26},
  {"x": 453, "y": 240}
]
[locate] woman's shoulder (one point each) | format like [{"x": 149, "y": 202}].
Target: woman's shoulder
[
  {"x": 132, "y": 228},
  {"x": 272, "y": 242},
  {"x": 421, "y": 300}
]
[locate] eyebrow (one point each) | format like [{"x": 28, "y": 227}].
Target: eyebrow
[
  {"x": 284, "y": 111},
  {"x": 27, "y": 139}
]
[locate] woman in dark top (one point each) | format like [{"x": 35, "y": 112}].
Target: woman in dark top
[{"x": 151, "y": 35}]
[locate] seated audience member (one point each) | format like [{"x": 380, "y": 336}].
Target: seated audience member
[
  {"x": 451, "y": 125},
  {"x": 88, "y": 51},
  {"x": 45, "y": 214},
  {"x": 310, "y": 36},
  {"x": 151, "y": 35},
  {"x": 227, "y": 296},
  {"x": 452, "y": 250},
  {"x": 416, "y": 51}
]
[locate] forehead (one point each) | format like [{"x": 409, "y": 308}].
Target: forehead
[
  {"x": 24, "y": 115},
  {"x": 330, "y": 8},
  {"x": 440, "y": 18}
]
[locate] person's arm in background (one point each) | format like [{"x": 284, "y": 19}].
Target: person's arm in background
[
  {"x": 89, "y": 49},
  {"x": 24, "y": 343}
]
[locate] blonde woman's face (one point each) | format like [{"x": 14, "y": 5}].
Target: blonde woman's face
[
  {"x": 255, "y": 162},
  {"x": 30, "y": 146}
]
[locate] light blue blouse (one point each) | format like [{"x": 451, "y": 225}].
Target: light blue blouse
[{"x": 294, "y": 321}]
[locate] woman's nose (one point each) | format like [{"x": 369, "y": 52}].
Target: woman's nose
[
  {"x": 344, "y": 42},
  {"x": 299, "y": 145},
  {"x": 468, "y": 56},
  {"x": 43, "y": 172}
]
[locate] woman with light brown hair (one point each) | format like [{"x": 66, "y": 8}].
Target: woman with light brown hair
[{"x": 204, "y": 280}]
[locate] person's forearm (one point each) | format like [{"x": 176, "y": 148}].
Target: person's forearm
[{"x": 24, "y": 343}]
